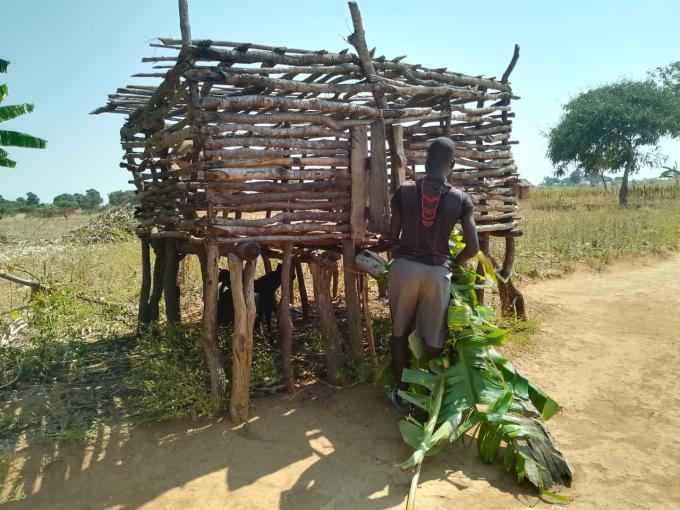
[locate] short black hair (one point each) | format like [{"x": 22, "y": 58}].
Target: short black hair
[{"x": 439, "y": 154}]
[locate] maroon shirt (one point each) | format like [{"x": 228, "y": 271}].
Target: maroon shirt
[{"x": 429, "y": 245}]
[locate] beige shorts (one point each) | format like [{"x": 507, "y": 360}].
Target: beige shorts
[{"x": 419, "y": 297}]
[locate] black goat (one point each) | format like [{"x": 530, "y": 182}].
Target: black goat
[{"x": 265, "y": 288}]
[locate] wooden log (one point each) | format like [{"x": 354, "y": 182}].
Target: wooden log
[
  {"x": 352, "y": 302},
  {"x": 157, "y": 281},
  {"x": 359, "y": 195},
  {"x": 218, "y": 378},
  {"x": 270, "y": 131},
  {"x": 145, "y": 290},
  {"x": 252, "y": 141},
  {"x": 378, "y": 197},
  {"x": 285, "y": 228},
  {"x": 271, "y": 58},
  {"x": 302, "y": 287},
  {"x": 185, "y": 27},
  {"x": 306, "y": 240},
  {"x": 254, "y": 198},
  {"x": 283, "y": 206},
  {"x": 368, "y": 320},
  {"x": 285, "y": 324},
  {"x": 320, "y": 105},
  {"x": 226, "y": 161},
  {"x": 243, "y": 296},
  {"x": 272, "y": 187},
  {"x": 340, "y": 217},
  {"x": 170, "y": 284},
  {"x": 242, "y": 174},
  {"x": 398, "y": 158},
  {"x": 321, "y": 277}
]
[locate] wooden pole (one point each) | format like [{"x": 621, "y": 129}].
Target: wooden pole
[
  {"x": 218, "y": 378},
  {"x": 284, "y": 321},
  {"x": 145, "y": 290},
  {"x": 368, "y": 320},
  {"x": 157, "y": 282},
  {"x": 321, "y": 276},
  {"x": 359, "y": 196},
  {"x": 302, "y": 287},
  {"x": 397, "y": 158},
  {"x": 378, "y": 197},
  {"x": 184, "y": 26},
  {"x": 243, "y": 295},
  {"x": 170, "y": 286},
  {"x": 352, "y": 301}
]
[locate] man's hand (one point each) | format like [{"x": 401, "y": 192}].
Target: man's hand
[{"x": 469, "y": 238}]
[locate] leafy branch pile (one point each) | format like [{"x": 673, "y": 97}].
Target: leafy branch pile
[{"x": 473, "y": 391}]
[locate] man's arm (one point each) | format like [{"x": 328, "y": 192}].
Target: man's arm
[{"x": 467, "y": 222}]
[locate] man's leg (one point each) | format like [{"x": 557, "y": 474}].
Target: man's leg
[{"x": 403, "y": 290}]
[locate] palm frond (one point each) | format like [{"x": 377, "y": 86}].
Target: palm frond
[
  {"x": 16, "y": 139},
  {"x": 3, "y": 65},
  {"x": 3, "y": 92},
  {"x": 13, "y": 111}
]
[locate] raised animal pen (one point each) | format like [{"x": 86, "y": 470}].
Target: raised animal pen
[{"x": 247, "y": 150}]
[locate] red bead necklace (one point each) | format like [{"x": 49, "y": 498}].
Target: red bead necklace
[{"x": 429, "y": 204}]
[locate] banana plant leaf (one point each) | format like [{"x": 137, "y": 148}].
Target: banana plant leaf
[{"x": 473, "y": 391}]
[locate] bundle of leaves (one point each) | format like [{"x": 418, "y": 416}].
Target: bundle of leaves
[
  {"x": 114, "y": 224},
  {"x": 473, "y": 391}
]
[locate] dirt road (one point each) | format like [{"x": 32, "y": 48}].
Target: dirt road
[{"x": 609, "y": 353}]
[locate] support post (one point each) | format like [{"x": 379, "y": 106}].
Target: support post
[
  {"x": 378, "y": 197},
  {"x": 243, "y": 295},
  {"x": 370, "y": 339},
  {"x": 321, "y": 276},
  {"x": 157, "y": 283},
  {"x": 285, "y": 324},
  {"x": 359, "y": 198},
  {"x": 512, "y": 300},
  {"x": 184, "y": 26},
  {"x": 145, "y": 290},
  {"x": 170, "y": 286},
  {"x": 302, "y": 287},
  {"x": 397, "y": 158},
  {"x": 352, "y": 301},
  {"x": 218, "y": 378}
]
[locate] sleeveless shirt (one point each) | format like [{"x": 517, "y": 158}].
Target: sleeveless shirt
[{"x": 429, "y": 245}]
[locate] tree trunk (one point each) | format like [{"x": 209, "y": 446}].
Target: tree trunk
[
  {"x": 352, "y": 301},
  {"x": 157, "y": 281},
  {"x": 604, "y": 180},
  {"x": 143, "y": 313},
  {"x": 170, "y": 286},
  {"x": 623, "y": 191}
]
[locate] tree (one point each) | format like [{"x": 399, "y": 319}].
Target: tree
[
  {"x": 65, "y": 201},
  {"x": 612, "y": 128},
  {"x": 121, "y": 197},
  {"x": 92, "y": 199},
  {"x": 32, "y": 199},
  {"x": 21, "y": 201},
  {"x": 14, "y": 138}
]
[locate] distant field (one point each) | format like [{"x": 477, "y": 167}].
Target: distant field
[{"x": 565, "y": 227}]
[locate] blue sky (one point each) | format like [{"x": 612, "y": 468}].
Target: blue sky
[{"x": 68, "y": 55}]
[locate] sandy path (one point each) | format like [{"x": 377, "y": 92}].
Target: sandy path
[{"x": 609, "y": 354}]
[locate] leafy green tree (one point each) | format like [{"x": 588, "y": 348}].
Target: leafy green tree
[
  {"x": 21, "y": 201},
  {"x": 14, "y": 138},
  {"x": 121, "y": 197},
  {"x": 613, "y": 128},
  {"x": 92, "y": 199},
  {"x": 32, "y": 199},
  {"x": 65, "y": 201}
]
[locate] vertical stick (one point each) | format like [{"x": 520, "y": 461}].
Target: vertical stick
[
  {"x": 352, "y": 301},
  {"x": 284, "y": 321},
  {"x": 218, "y": 378},
  {"x": 359, "y": 184},
  {"x": 143, "y": 313},
  {"x": 157, "y": 283},
  {"x": 368, "y": 321},
  {"x": 378, "y": 197},
  {"x": 321, "y": 276},
  {"x": 184, "y": 25},
  {"x": 170, "y": 287},
  {"x": 335, "y": 276},
  {"x": 243, "y": 296},
  {"x": 398, "y": 158},
  {"x": 484, "y": 248},
  {"x": 302, "y": 287}
]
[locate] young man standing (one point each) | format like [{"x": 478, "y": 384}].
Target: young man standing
[{"x": 423, "y": 215}]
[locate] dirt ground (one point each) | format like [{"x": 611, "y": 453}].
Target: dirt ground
[{"x": 608, "y": 352}]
